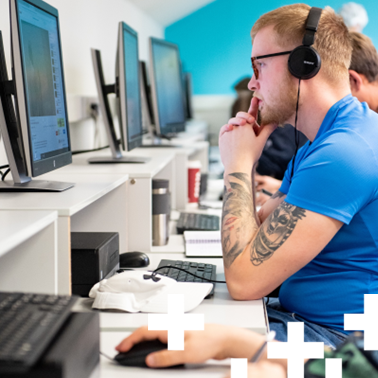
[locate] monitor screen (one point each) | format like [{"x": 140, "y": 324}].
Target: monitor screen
[
  {"x": 41, "y": 61},
  {"x": 187, "y": 80},
  {"x": 146, "y": 95},
  {"x": 167, "y": 87},
  {"x": 130, "y": 95}
]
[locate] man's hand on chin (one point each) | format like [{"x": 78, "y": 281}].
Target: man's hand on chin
[{"x": 241, "y": 147}]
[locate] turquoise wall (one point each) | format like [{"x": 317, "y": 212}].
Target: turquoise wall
[{"x": 215, "y": 43}]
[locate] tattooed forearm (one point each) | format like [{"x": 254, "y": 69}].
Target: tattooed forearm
[
  {"x": 238, "y": 218},
  {"x": 277, "y": 194},
  {"x": 275, "y": 231}
]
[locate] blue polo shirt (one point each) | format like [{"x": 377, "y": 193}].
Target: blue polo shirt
[{"x": 337, "y": 175}]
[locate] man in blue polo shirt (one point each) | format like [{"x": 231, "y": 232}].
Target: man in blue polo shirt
[{"x": 318, "y": 235}]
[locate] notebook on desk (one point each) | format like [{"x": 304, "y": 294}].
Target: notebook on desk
[{"x": 203, "y": 244}]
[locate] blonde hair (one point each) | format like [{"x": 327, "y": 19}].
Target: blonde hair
[
  {"x": 332, "y": 40},
  {"x": 364, "y": 56}
]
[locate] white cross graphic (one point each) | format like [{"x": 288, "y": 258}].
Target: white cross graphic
[
  {"x": 334, "y": 367},
  {"x": 295, "y": 350},
  {"x": 239, "y": 367},
  {"x": 365, "y": 322},
  {"x": 176, "y": 322}
]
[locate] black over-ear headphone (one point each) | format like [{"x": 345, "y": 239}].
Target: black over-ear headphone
[{"x": 304, "y": 61}]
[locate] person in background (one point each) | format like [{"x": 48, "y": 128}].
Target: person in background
[
  {"x": 363, "y": 79},
  {"x": 354, "y": 15},
  {"x": 363, "y": 70}
]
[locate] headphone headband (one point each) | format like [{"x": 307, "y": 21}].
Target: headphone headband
[{"x": 312, "y": 26}]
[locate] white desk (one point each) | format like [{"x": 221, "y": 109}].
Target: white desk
[
  {"x": 110, "y": 369},
  {"x": 221, "y": 309},
  {"x": 195, "y": 131},
  {"x": 179, "y": 176},
  {"x": 96, "y": 203},
  {"x": 199, "y": 149},
  {"x": 193, "y": 151},
  {"x": 139, "y": 196},
  {"x": 28, "y": 251}
]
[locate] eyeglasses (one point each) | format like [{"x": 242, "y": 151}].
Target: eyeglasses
[{"x": 253, "y": 60}]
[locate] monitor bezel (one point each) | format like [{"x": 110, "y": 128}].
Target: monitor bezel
[
  {"x": 127, "y": 143},
  {"x": 51, "y": 163},
  {"x": 158, "y": 126},
  {"x": 103, "y": 91},
  {"x": 146, "y": 97},
  {"x": 188, "y": 92}
]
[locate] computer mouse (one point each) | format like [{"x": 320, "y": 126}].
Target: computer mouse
[
  {"x": 133, "y": 260},
  {"x": 136, "y": 356}
]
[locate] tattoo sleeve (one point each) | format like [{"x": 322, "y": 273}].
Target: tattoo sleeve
[
  {"x": 275, "y": 231},
  {"x": 277, "y": 194},
  {"x": 238, "y": 217}
]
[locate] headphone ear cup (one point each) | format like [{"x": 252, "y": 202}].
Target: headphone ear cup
[{"x": 304, "y": 62}]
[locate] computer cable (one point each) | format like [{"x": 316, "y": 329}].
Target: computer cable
[
  {"x": 156, "y": 279},
  {"x": 105, "y": 355},
  {"x": 296, "y": 132},
  {"x": 3, "y": 175},
  {"x": 94, "y": 112}
]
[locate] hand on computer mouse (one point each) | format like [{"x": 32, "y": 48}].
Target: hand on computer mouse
[
  {"x": 215, "y": 342},
  {"x": 136, "y": 356}
]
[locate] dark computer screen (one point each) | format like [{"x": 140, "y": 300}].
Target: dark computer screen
[
  {"x": 167, "y": 87},
  {"x": 147, "y": 99},
  {"x": 43, "y": 82},
  {"x": 133, "y": 109},
  {"x": 187, "y": 80},
  {"x": 127, "y": 90}
]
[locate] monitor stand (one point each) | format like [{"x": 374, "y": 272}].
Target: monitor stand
[
  {"x": 159, "y": 146},
  {"x": 35, "y": 186},
  {"x": 120, "y": 160},
  {"x": 157, "y": 142}
]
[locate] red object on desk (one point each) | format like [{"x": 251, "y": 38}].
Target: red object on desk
[{"x": 194, "y": 179}]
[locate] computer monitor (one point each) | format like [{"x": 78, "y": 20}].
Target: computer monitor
[
  {"x": 146, "y": 97},
  {"x": 188, "y": 93},
  {"x": 127, "y": 90},
  {"x": 167, "y": 87},
  {"x": 35, "y": 128}
]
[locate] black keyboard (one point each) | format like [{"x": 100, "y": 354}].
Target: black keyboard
[
  {"x": 197, "y": 222},
  {"x": 202, "y": 270},
  {"x": 28, "y": 323}
]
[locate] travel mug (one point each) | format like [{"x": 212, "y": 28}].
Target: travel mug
[{"x": 161, "y": 209}]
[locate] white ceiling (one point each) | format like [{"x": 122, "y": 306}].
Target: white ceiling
[{"x": 168, "y": 11}]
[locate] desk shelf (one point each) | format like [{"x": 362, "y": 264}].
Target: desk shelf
[
  {"x": 139, "y": 197},
  {"x": 97, "y": 203},
  {"x": 28, "y": 251}
]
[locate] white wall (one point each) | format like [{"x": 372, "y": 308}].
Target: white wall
[
  {"x": 85, "y": 24},
  {"x": 215, "y": 110}
]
